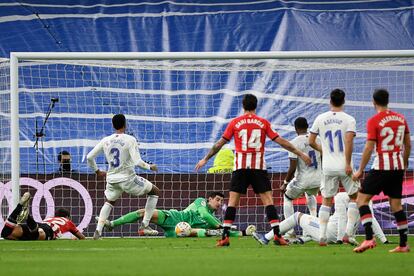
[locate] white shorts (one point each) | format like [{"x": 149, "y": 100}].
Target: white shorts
[
  {"x": 330, "y": 185},
  {"x": 310, "y": 225},
  {"x": 137, "y": 186},
  {"x": 295, "y": 189}
]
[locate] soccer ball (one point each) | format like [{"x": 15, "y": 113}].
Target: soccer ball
[
  {"x": 250, "y": 230},
  {"x": 183, "y": 229}
]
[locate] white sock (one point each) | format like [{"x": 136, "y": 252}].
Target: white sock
[
  {"x": 284, "y": 226},
  {"x": 353, "y": 216},
  {"x": 288, "y": 224},
  {"x": 342, "y": 221},
  {"x": 376, "y": 228},
  {"x": 287, "y": 207},
  {"x": 103, "y": 216},
  {"x": 324, "y": 214},
  {"x": 270, "y": 235},
  {"x": 149, "y": 209},
  {"x": 288, "y": 211},
  {"x": 311, "y": 202}
]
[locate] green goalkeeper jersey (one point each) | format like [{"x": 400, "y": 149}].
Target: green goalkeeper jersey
[{"x": 204, "y": 213}]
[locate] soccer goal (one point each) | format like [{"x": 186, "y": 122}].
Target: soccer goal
[{"x": 56, "y": 106}]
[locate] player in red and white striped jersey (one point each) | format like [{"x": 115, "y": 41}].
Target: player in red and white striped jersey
[
  {"x": 249, "y": 132},
  {"x": 387, "y": 129},
  {"x": 20, "y": 225},
  {"x": 388, "y": 133},
  {"x": 61, "y": 224}
]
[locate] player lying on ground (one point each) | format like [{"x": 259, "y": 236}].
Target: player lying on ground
[
  {"x": 199, "y": 214},
  {"x": 336, "y": 227},
  {"x": 20, "y": 225}
]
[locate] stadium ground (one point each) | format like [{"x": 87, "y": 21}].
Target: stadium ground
[{"x": 194, "y": 257}]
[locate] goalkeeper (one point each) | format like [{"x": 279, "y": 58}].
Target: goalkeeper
[{"x": 199, "y": 214}]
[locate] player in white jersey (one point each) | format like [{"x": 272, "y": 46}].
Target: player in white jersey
[
  {"x": 335, "y": 227},
  {"x": 122, "y": 154},
  {"x": 336, "y": 130},
  {"x": 301, "y": 178}
]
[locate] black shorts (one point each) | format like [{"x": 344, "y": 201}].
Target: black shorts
[
  {"x": 50, "y": 235},
  {"x": 241, "y": 179},
  {"x": 388, "y": 182},
  {"x": 32, "y": 236}
]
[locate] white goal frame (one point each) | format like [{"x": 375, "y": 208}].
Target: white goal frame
[{"x": 16, "y": 56}]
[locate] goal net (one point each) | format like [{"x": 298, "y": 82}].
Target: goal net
[{"x": 177, "y": 108}]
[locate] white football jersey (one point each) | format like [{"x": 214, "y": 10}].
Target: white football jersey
[
  {"x": 331, "y": 128},
  {"x": 122, "y": 154},
  {"x": 304, "y": 174}
]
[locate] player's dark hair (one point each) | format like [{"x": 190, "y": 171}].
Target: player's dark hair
[
  {"x": 249, "y": 102},
  {"x": 118, "y": 121},
  {"x": 381, "y": 97},
  {"x": 63, "y": 152},
  {"x": 214, "y": 194},
  {"x": 301, "y": 123},
  {"x": 337, "y": 97},
  {"x": 62, "y": 212}
]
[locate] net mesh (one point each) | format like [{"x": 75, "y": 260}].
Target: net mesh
[{"x": 177, "y": 109}]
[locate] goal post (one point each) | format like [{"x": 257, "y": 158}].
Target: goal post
[{"x": 178, "y": 104}]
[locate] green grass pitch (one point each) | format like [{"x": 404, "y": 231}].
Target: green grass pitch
[{"x": 187, "y": 256}]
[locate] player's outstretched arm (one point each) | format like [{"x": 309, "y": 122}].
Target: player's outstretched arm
[
  {"x": 288, "y": 146},
  {"x": 216, "y": 148},
  {"x": 366, "y": 155}
]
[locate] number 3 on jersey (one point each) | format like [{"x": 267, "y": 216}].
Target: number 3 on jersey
[
  {"x": 115, "y": 161},
  {"x": 254, "y": 142}
]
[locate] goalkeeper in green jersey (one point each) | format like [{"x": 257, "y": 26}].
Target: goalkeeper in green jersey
[{"x": 199, "y": 214}]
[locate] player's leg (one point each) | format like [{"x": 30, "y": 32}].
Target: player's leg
[
  {"x": 138, "y": 187},
  {"x": 272, "y": 217},
  {"x": 152, "y": 199},
  {"x": 238, "y": 186},
  {"x": 112, "y": 193},
  {"x": 229, "y": 218},
  {"x": 11, "y": 221},
  {"x": 402, "y": 224},
  {"x": 293, "y": 191},
  {"x": 341, "y": 219},
  {"x": 131, "y": 217},
  {"x": 351, "y": 187},
  {"x": 284, "y": 226},
  {"x": 329, "y": 188},
  {"x": 394, "y": 192},
  {"x": 366, "y": 220},
  {"x": 310, "y": 195},
  {"x": 372, "y": 185},
  {"x": 378, "y": 233},
  {"x": 310, "y": 225},
  {"x": 262, "y": 186}
]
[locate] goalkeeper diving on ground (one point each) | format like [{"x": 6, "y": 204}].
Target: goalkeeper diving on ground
[{"x": 199, "y": 214}]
